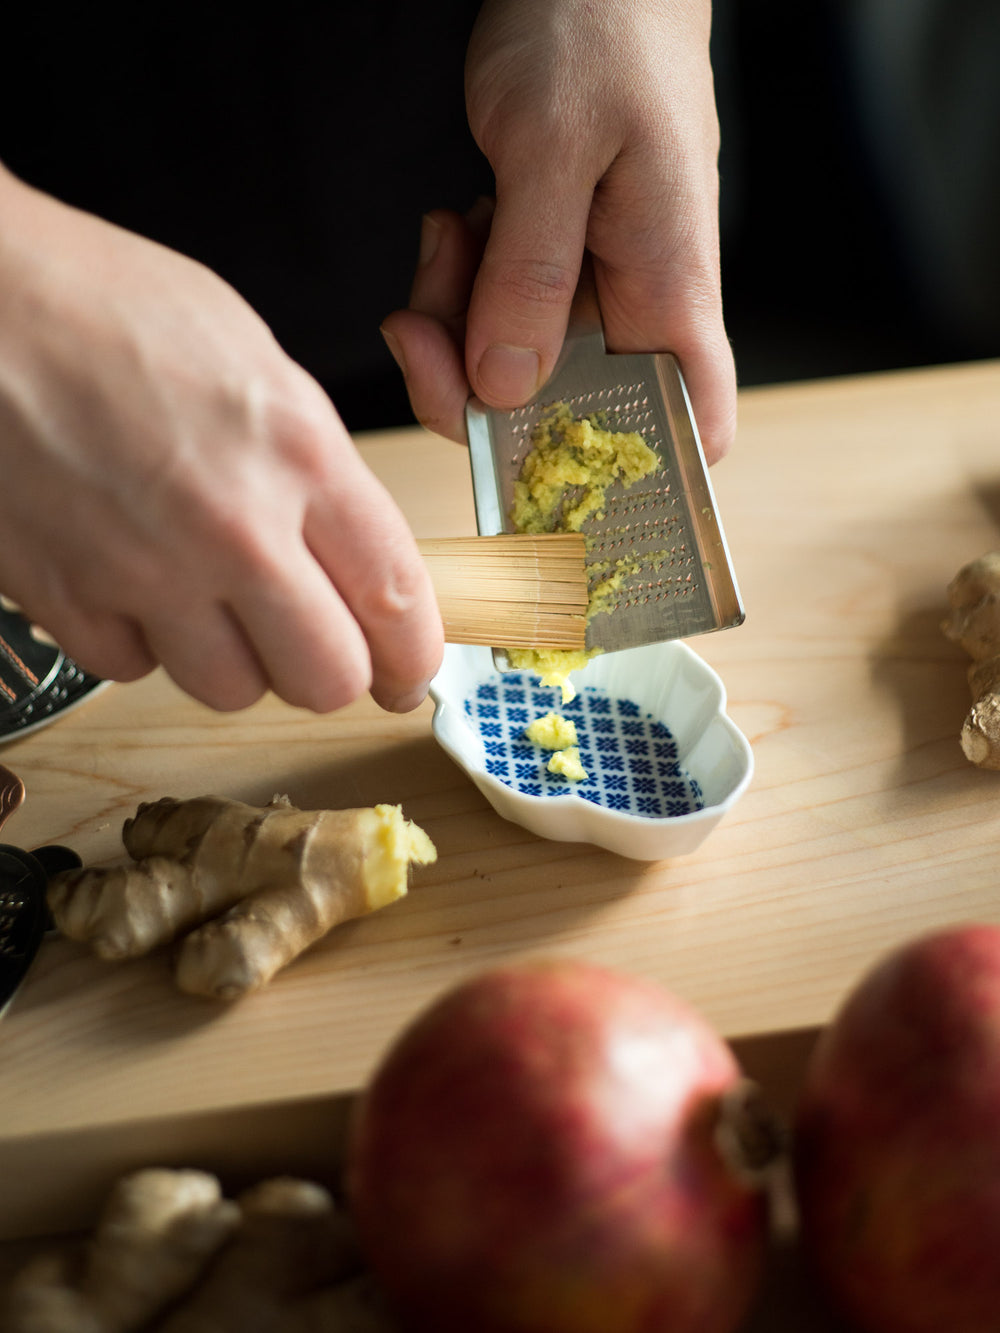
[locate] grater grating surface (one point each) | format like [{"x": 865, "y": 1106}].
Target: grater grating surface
[{"x": 683, "y": 583}]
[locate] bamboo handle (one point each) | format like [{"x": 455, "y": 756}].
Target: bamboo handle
[{"x": 513, "y": 590}]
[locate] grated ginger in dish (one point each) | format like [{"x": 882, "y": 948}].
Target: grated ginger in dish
[
  {"x": 558, "y": 734},
  {"x": 567, "y": 762},
  {"x": 552, "y": 732}
]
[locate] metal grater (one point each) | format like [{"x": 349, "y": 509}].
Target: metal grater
[
  {"x": 38, "y": 682},
  {"x": 684, "y": 584}
]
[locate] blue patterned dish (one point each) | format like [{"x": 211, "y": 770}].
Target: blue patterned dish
[{"x": 663, "y": 759}]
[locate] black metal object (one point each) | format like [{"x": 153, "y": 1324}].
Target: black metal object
[
  {"x": 24, "y": 914},
  {"x": 38, "y": 681},
  {"x": 24, "y": 877}
]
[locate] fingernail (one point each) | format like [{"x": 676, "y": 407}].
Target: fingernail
[
  {"x": 508, "y": 376},
  {"x": 430, "y": 239},
  {"x": 394, "y": 347}
]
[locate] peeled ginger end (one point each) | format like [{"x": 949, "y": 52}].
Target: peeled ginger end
[{"x": 398, "y": 844}]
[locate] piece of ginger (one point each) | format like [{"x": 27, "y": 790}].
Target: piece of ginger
[
  {"x": 169, "y": 1254},
  {"x": 249, "y": 888},
  {"x": 553, "y": 666},
  {"x": 158, "y": 1231},
  {"x": 974, "y": 623},
  {"x": 552, "y": 732},
  {"x": 568, "y": 764},
  {"x": 293, "y": 1243},
  {"x": 558, "y": 734}
]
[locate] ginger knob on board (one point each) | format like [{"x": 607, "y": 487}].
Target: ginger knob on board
[
  {"x": 974, "y": 623},
  {"x": 245, "y": 888}
]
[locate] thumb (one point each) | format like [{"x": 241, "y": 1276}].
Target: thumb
[{"x": 523, "y": 290}]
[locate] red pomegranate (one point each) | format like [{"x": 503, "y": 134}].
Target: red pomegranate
[
  {"x": 538, "y": 1153},
  {"x": 897, "y": 1140}
]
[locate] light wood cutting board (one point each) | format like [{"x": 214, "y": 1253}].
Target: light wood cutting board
[{"x": 848, "y": 506}]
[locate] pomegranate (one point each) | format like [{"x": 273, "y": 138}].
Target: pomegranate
[
  {"x": 539, "y": 1152},
  {"x": 897, "y": 1140}
]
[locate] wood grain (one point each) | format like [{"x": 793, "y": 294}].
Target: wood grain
[{"x": 848, "y": 505}]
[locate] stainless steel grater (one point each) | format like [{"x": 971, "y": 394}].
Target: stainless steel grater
[{"x": 684, "y": 584}]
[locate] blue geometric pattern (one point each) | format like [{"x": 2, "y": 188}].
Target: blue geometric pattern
[{"x": 630, "y": 757}]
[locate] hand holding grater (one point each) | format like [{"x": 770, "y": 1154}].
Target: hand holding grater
[{"x": 682, "y": 582}]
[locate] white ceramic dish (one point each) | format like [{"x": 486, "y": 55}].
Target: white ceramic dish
[{"x": 669, "y": 684}]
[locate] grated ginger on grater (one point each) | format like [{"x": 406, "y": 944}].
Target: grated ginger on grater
[{"x": 562, "y": 482}]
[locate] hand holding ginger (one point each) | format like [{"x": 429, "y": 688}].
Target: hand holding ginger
[{"x": 248, "y": 888}]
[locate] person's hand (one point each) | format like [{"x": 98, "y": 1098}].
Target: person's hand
[
  {"x": 599, "y": 122},
  {"x": 175, "y": 490}
]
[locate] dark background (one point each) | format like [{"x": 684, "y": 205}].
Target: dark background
[
  {"x": 296, "y": 154},
  {"x": 860, "y": 183}
]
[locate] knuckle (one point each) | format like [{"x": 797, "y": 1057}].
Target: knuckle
[
  {"x": 402, "y": 594},
  {"x": 301, "y": 428},
  {"x": 536, "y": 282},
  {"x": 237, "y": 546},
  {"x": 288, "y": 418}
]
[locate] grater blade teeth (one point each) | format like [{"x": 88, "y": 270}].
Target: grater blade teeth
[{"x": 678, "y": 578}]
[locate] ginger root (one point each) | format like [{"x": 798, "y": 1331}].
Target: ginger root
[
  {"x": 293, "y": 1241},
  {"x": 171, "y": 1255},
  {"x": 249, "y": 888},
  {"x": 974, "y": 623},
  {"x": 158, "y": 1231}
]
